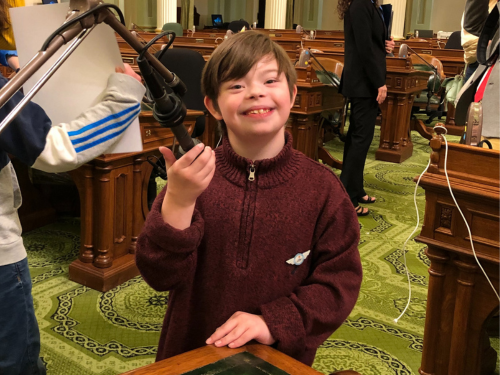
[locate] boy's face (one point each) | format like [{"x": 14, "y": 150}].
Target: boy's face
[{"x": 257, "y": 104}]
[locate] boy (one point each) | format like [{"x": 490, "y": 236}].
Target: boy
[
  {"x": 255, "y": 241},
  {"x": 34, "y": 141}
]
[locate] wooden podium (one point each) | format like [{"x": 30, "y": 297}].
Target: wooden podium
[
  {"x": 313, "y": 97},
  {"x": 459, "y": 297},
  {"x": 403, "y": 83},
  {"x": 113, "y": 201},
  {"x": 255, "y": 358}
]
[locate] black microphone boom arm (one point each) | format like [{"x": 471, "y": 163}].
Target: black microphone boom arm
[{"x": 83, "y": 16}]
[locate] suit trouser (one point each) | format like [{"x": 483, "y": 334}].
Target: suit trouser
[{"x": 358, "y": 140}]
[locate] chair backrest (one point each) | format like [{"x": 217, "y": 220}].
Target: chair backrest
[
  {"x": 415, "y": 60},
  {"x": 424, "y": 33},
  {"x": 331, "y": 65},
  {"x": 187, "y": 65},
  {"x": 454, "y": 41},
  {"x": 236, "y": 26},
  {"x": 173, "y": 26}
]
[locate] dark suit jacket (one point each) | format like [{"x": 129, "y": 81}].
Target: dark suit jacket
[{"x": 364, "y": 63}]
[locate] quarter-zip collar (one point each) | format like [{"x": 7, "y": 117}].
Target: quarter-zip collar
[{"x": 267, "y": 172}]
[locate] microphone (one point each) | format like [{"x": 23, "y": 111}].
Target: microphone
[
  {"x": 168, "y": 109},
  {"x": 304, "y": 58},
  {"x": 434, "y": 82}
]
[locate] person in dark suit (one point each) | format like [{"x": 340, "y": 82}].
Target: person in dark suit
[{"x": 363, "y": 82}]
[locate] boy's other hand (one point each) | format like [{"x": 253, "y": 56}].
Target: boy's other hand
[
  {"x": 128, "y": 71},
  {"x": 240, "y": 329},
  {"x": 189, "y": 176}
]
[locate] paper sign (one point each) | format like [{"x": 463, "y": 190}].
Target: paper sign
[{"x": 80, "y": 82}]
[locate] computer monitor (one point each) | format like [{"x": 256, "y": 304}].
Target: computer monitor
[
  {"x": 49, "y": 1},
  {"x": 217, "y": 20}
]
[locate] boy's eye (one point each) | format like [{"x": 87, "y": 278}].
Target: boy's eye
[
  {"x": 236, "y": 87},
  {"x": 271, "y": 80}
]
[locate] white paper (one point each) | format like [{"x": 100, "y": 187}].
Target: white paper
[{"x": 80, "y": 82}]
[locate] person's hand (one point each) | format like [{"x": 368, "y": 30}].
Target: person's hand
[
  {"x": 382, "y": 94},
  {"x": 389, "y": 45},
  {"x": 13, "y": 62},
  {"x": 128, "y": 71},
  {"x": 240, "y": 329},
  {"x": 189, "y": 176}
]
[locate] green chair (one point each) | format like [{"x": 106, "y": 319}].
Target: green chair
[{"x": 173, "y": 26}]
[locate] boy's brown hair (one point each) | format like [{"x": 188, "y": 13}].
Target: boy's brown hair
[{"x": 236, "y": 56}]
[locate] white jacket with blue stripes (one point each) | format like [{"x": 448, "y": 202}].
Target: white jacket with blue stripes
[{"x": 57, "y": 148}]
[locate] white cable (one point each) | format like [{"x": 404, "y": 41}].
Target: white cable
[
  {"x": 418, "y": 223},
  {"x": 465, "y": 221},
  {"x": 404, "y": 245},
  {"x": 218, "y": 143}
]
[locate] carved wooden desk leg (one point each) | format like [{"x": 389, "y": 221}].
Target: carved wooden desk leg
[
  {"x": 395, "y": 145},
  {"x": 84, "y": 182},
  {"x": 460, "y": 343},
  {"x": 104, "y": 258},
  {"x": 137, "y": 218},
  {"x": 385, "y": 129},
  {"x": 437, "y": 276},
  {"x": 451, "y": 126}
]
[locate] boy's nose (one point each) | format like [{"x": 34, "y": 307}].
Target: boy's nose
[{"x": 256, "y": 91}]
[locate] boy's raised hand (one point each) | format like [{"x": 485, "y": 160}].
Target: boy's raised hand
[
  {"x": 240, "y": 329},
  {"x": 188, "y": 177}
]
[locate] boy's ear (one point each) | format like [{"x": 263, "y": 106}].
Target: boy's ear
[
  {"x": 294, "y": 94},
  {"x": 210, "y": 106}
]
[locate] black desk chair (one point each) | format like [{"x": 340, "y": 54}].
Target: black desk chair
[
  {"x": 188, "y": 65},
  {"x": 454, "y": 41},
  {"x": 236, "y": 26}
]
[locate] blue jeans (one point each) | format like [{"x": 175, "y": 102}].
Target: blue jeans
[{"x": 19, "y": 334}]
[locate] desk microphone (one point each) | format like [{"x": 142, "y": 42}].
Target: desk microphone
[
  {"x": 434, "y": 82},
  {"x": 168, "y": 109}
]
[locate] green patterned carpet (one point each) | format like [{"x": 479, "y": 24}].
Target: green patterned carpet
[{"x": 87, "y": 332}]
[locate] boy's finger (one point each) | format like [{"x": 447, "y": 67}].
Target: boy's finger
[
  {"x": 209, "y": 168},
  {"x": 242, "y": 340},
  {"x": 231, "y": 336},
  {"x": 191, "y": 155},
  {"x": 169, "y": 157},
  {"x": 222, "y": 331},
  {"x": 201, "y": 161}
]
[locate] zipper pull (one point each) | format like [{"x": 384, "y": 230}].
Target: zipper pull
[{"x": 251, "y": 177}]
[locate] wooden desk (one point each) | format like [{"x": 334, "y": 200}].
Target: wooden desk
[
  {"x": 113, "y": 201},
  {"x": 207, "y": 355},
  {"x": 403, "y": 83},
  {"x": 459, "y": 296},
  {"x": 452, "y": 59},
  {"x": 313, "y": 97}
]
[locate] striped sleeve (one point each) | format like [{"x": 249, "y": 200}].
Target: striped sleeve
[{"x": 69, "y": 145}]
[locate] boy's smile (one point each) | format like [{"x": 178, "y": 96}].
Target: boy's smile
[{"x": 256, "y": 105}]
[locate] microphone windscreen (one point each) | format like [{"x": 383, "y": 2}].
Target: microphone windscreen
[
  {"x": 304, "y": 58},
  {"x": 403, "y": 50}
]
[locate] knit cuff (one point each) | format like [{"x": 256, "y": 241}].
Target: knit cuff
[
  {"x": 169, "y": 238},
  {"x": 286, "y": 326}
]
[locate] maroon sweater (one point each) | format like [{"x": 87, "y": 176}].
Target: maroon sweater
[{"x": 234, "y": 255}]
